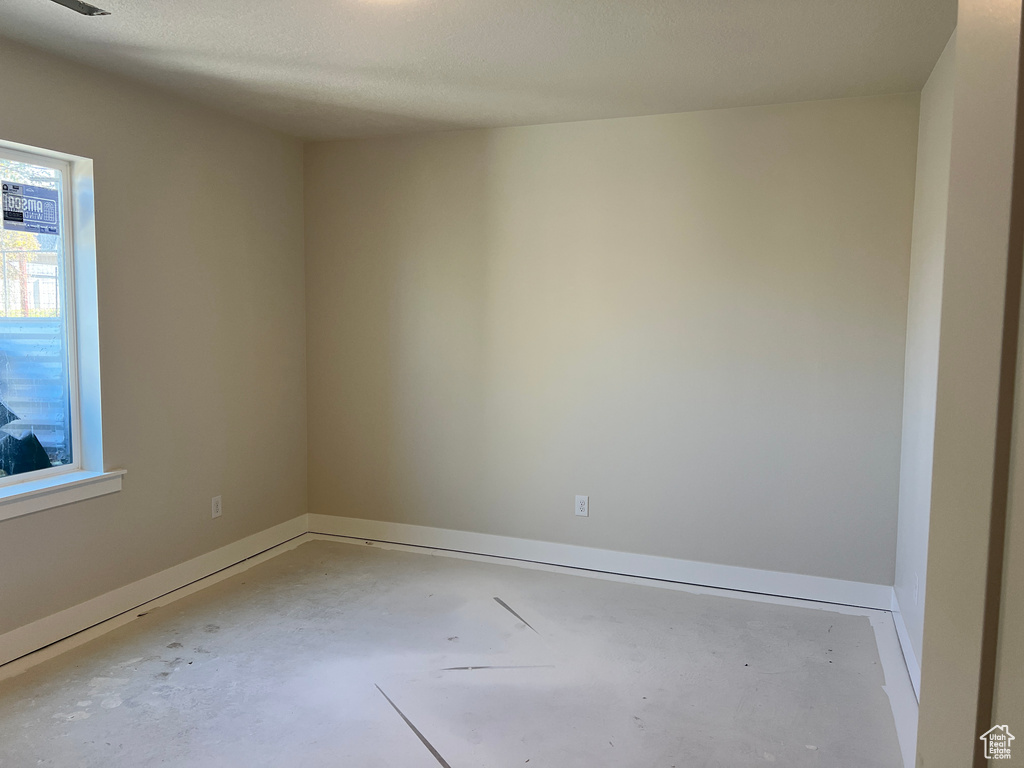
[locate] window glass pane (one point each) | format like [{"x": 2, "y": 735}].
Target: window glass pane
[{"x": 35, "y": 402}]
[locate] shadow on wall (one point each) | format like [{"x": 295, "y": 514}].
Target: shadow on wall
[{"x": 698, "y": 320}]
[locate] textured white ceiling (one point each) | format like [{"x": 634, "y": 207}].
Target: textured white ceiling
[{"x": 333, "y": 68}]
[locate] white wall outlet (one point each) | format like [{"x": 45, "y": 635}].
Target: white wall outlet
[
  {"x": 582, "y": 506},
  {"x": 215, "y": 507},
  {"x": 917, "y": 586}
]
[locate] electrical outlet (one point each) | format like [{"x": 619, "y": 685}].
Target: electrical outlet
[
  {"x": 916, "y": 589},
  {"x": 582, "y": 506},
  {"x": 215, "y": 507}
]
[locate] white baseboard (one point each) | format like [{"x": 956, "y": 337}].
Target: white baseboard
[
  {"x": 793, "y": 585},
  {"x": 913, "y": 666},
  {"x": 125, "y": 600},
  {"x": 56, "y": 633}
]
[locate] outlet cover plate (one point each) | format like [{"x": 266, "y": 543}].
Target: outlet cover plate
[{"x": 582, "y": 506}]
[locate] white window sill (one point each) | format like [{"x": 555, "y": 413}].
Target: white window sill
[{"x": 55, "y": 491}]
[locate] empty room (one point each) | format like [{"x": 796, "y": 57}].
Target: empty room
[{"x": 426, "y": 383}]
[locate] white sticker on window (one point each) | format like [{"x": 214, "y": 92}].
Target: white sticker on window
[{"x": 28, "y": 208}]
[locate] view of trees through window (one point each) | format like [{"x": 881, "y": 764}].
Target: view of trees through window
[{"x": 35, "y": 415}]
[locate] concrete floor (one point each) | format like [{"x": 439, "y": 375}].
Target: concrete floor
[{"x": 334, "y": 654}]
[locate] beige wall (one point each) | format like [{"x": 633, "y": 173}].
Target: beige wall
[
  {"x": 200, "y": 269},
  {"x": 922, "y": 360},
  {"x": 967, "y": 395},
  {"x": 698, "y": 320}
]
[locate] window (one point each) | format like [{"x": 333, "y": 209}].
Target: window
[
  {"x": 50, "y": 426},
  {"x": 38, "y": 405}
]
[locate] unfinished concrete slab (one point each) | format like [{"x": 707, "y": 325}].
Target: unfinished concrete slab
[{"x": 334, "y": 654}]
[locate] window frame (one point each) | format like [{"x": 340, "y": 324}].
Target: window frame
[
  {"x": 86, "y": 476},
  {"x": 68, "y": 307}
]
